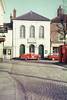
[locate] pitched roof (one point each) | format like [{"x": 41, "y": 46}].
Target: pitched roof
[
  {"x": 32, "y": 16},
  {"x": 58, "y": 19}
]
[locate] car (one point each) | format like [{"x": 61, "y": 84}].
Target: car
[
  {"x": 30, "y": 56},
  {"x": 53, "y": 56}
]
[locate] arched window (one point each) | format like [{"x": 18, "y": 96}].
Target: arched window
[
  {"x": 22, "y": 31},
  {"x": 32, "y": 48},
  {"x": 32, "y": 31},
  {"x": 41, "y": 32}
]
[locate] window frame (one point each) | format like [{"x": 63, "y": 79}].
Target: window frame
[
  {"x": 32, "y": 31},
  {"x": 41, "y": 32},
  {"x": 22, "y": 31}
]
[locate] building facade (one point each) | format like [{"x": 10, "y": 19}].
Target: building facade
[
  {"x": 58, "y": 30},
  {"x": 2, "y": 11},
  {"x": 2, "y": 38},
  {"x": 31, "y": 34},
  {"x": 7, "y": 48}
]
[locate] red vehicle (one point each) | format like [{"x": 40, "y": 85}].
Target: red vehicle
[
  {"x": 54, "y": 56},
  {"x": 30, "y": 56}
]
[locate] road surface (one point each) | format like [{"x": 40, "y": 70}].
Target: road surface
[{"x": 30, "y": 81}]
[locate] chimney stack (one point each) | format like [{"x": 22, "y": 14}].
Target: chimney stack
[
  {"x": 14, "y": 13},
  {"x": 59, "y": 11}
]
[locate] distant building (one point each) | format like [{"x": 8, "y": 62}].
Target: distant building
[
  {"x": 57, "y": 31},
  {"x": 31, "y": 34}
]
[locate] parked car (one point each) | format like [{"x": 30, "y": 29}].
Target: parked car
[
  {"x": 30, "y": 56},
  {"x": 54, "y": 56}
]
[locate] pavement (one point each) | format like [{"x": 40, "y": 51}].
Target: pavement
[{"x": 55, "y": 63}]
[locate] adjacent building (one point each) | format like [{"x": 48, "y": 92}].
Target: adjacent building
[
  {"x": 58, "y": 30},
  {"x": 2, "y": 38},
  {"x": 7, "y": 48},
  {"x": 2, "y": 11}
]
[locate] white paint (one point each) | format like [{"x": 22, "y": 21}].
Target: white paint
[
  {"x": 1, "y": 12},
  {"x": 17, "y": 41}
]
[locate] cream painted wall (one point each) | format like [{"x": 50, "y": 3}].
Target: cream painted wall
[
  {"x": 1, "y": 23},
  {"x": 1, "y": 50},
  {"x": 17, "y": 41},
  {"x": 8, "y": 39},
  {"x": 1, "y": 13}
]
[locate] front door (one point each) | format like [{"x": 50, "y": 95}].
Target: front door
[
  {"x": 7, "y": 53},
  {"x": 41, "y": 51},
  {"x": 22, "y": 49}
]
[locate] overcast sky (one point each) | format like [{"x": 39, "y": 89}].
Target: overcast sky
[{"x": 46, "y": 8}]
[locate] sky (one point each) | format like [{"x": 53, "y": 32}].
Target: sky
[{"x": 46, "y": 8}]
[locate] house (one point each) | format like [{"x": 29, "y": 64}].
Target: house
[
  {"x": 58, "y": 30},
  {"x": 2, "y": 11},
  {"x": 2, "y": 38},
  {"x": 7, "y": 48},
  {"x": 31, "y": 34}
]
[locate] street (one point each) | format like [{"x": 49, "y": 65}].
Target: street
[{"x": 30, "y": 80}]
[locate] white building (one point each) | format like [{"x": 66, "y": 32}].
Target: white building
[
  {"x": 1, "y": 12},
  {"x": 1, "y": 28},
  {"x": 7, "y": 49},
  {"x": 31, "y": 34}
]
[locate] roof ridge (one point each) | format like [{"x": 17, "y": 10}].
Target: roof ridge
[{"x": 32, "y": 16}]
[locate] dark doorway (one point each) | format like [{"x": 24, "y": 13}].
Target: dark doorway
[
  {"x": 22, "y": 49},
  {"x": 32, "y": 48},
  {"x": 41, "y": 51}
]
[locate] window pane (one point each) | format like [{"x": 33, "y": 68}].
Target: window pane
[
  {"x": 55, "y": 49},
  {"x": 32, "y": 31},
  {"x": 9, "y": 51},
  {"x": 22, "y": 31},
  {"x": 41, "y": 32}
]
